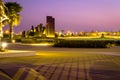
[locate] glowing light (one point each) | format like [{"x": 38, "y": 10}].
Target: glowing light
[
  {"x": 3, "y": 45},
  {"x": 7, "y": 32},
  {"x": 60, "y": 33},
  {"x": 13, "y": 41},
  {"x": 41, "y": 44}
]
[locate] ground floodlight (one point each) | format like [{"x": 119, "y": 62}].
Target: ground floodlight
[{"x": 4, "y": 45}]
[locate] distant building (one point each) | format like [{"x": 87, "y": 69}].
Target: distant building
[
  {"x": 50, "y": 26},
  {"x": 42, "y": 31}
]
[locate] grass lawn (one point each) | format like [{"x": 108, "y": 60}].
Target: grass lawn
[{"x": 64, "y": 66}]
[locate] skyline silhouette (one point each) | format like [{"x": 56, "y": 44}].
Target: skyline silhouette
[{"x": 79, "y": 15}]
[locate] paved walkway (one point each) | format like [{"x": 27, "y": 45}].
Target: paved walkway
[{"x": 63, "y": 66}]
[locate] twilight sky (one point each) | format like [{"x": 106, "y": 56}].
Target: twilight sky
[{"x": 73, "y": 15}]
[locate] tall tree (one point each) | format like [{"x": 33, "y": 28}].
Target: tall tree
[
  {"x": 3, "y": 18},
  {"x": 14, "y": 17}
]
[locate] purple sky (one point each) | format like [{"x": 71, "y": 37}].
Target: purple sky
[{"x": 73, "y": 15}]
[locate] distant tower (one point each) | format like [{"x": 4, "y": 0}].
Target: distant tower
[{"x": 50, "y": 27}]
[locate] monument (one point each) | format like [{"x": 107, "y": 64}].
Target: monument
[{"x": 50, "y": 27}]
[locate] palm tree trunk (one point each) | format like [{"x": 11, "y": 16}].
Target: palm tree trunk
[
  {"x": 11, "y": 32},
  {"x": 1, "y": 33}
]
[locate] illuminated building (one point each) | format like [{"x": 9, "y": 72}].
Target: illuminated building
[{"x": 50, "y": 27}]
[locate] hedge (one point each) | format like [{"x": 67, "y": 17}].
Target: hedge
[{"x": 86, "y": 43}]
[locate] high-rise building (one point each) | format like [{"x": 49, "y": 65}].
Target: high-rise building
[{"x": 50, "y": 26}]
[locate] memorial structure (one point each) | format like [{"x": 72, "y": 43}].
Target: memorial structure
[{"x": 50, "y": 27}]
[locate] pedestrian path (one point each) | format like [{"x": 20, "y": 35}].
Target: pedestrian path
[{"x": 63, "y": 66}]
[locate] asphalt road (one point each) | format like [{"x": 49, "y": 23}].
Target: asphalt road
[{"x": 19, "y": 46}]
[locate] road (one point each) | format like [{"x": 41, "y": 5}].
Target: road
[{"x": 19, "y": 46}]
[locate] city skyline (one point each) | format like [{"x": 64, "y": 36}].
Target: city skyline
[{"x": 79, "y": 15}]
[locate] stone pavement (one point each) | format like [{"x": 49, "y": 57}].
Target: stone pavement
[{"x": 63, "y": 66}]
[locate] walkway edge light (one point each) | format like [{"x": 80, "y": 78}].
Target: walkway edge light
[{"x": 3, "y": 45}]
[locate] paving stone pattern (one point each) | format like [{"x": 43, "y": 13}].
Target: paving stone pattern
[{"x": 80, "y": 67}]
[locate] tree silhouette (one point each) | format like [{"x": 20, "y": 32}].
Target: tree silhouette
[{"x": 14, "y": 17}]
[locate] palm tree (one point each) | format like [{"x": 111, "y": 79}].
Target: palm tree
[
  {"x": 13, "y": 14},
  {"x": 3, "y": 18}
]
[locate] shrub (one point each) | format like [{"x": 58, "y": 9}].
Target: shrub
[{"x": 85, "y": 43}]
